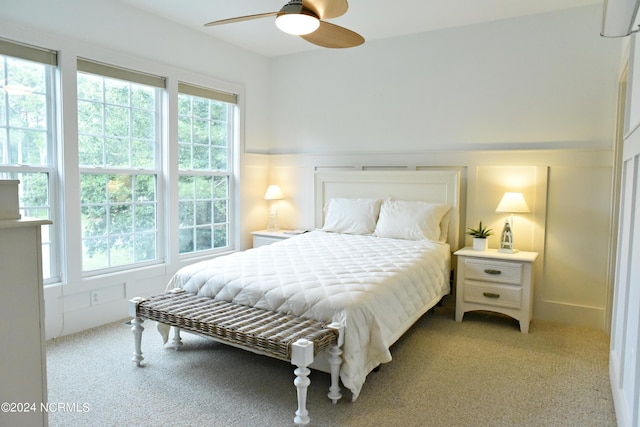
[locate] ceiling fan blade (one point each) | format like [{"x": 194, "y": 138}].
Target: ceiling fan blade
[
  {"x": 333, "y": 36},
  {"x": 240, "y": 18},
  {"x": 327, "y": 9}
]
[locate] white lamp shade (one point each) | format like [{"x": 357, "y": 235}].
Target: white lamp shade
[
  {"x": 513, "y": 203},
  {"x": 297, "y": 23},
  {"x": 273, "y": 193}
]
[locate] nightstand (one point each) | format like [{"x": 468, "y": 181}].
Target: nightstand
[
  {"x": 494, "y": 281},
  {"x": 265, "y": 237}
]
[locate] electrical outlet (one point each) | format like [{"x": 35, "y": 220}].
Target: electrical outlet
[{"x": 95, "y": 298}]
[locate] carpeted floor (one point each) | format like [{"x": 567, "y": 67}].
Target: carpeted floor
[{"x": 481, "y": 372}]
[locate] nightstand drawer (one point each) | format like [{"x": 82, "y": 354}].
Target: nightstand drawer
[
  {"x": 262, "y": 240},
  {"x": 496, "y": 295},
  {"x": 493, "y": 271}
]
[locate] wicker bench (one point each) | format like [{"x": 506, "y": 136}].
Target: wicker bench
[{"x": 261, "y": 331}]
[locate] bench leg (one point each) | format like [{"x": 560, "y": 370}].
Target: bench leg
[
  {"x": 302, "y": 356},
  {"x": 335, "y": 360},
  {"x": 137, "y": 336},
  {"x": 177, "y": 341}
]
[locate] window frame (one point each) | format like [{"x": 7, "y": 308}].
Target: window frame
[
  {"x": 158, "y": 83},
  {"x": 231, "y": 99},
  {"x": 51, "y": 233}
]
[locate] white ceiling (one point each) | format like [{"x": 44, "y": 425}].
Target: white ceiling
[{"x": 373, "y": 19}]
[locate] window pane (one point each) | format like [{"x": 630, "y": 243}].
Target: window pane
[
  {"x": 184, "y": 129},
  {"x": 221, "y": 236},
  {"x": 200, "y": 157},
  {"x": 219, "y": 158},
  {"x": 116, "y": 121},
  {"x": 203, "y": 188},
  {"x": 90, "y": 118},
  {"x": 142, "y": 97},
  {"x": 120, "y": 188},
  {"x": 220, "y": 211},
  {"x": 27, "y": 110},
  {"x": 142, "y": 124},
  {"x": 145, "y": 188},
  {"x": 116, "y": 152},
  {"x": 90, "y": 150},
  {"x": 94, "y": 222},
  {"x": 219, "y": 133},
  {"x": 142, "y": 152},
  {"x": 95, "y": 254},
  {"x": 145, "y": 247},
  {"x": 200, "y": 131},
  {"x": 116, "y": 92},
  {"x": 203, "y": 213},
  {"x": 93, "y": 189},
  {"x": 219, "y": 111},
  {"x": 220, "y": 187},
  {"x": 187, "y": 218},
  {"x": 186, "y": 240},
  {"x": 121, "y": 250},
  {"x": 186, "y": 187},
  {"x": 203, "y": 239},
  {"x": 35, "y": 193},
  {"x": 184, "y": 156},
  {"x": 145, "y": 217},
  {"x": 90, "y": 87}
]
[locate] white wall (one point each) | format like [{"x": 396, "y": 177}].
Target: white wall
[
  {"x": 525, "y": 104},
  {"x": 543, "y": 81},
  {"x": 110, "y": 32}
]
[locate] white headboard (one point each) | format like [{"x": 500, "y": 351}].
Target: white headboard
[{"x": 427, "y": 186}]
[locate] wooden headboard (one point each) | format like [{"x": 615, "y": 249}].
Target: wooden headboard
[{"x": 427, "y": 186}]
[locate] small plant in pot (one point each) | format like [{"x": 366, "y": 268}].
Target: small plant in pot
[{"x": 480, "y": 235}]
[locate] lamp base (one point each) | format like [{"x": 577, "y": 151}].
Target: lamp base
[
  {"x": 272, "y": 219},
  {"x": 506, "y": 239},
  {"x": 272, "y": 223}
]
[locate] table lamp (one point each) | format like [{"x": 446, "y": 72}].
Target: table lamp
[
  {"x": 511, "y": 203},
  {"x": 272, "y": 195}
]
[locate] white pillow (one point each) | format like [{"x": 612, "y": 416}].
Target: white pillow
[
  {"x": 351, "y": 216},
  {"x": 411, "y": 220}
]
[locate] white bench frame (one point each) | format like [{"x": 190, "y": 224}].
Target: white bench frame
[{"x": 302, "y": 355}]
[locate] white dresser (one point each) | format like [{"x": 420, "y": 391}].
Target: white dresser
[
  {"x": 23, "y": 357},
  {"x": 494, "y": 281}
]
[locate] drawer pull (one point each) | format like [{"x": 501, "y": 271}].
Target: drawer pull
[
  {"x": 491, "y": 295},
  {"x": 491, "y": 271}
]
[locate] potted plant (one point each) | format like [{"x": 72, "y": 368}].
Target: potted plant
[{"x": 480, "y": 235}]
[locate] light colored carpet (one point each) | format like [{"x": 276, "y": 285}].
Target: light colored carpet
[{"x": 481, "y": 372}]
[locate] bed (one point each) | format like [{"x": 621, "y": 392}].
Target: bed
[{"x": 378, "y": 259}]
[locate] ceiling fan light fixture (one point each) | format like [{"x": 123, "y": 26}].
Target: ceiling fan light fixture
[{"x": 296, "y": 19}]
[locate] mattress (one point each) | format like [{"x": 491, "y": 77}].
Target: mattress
[{"x": 377, "y": 287}]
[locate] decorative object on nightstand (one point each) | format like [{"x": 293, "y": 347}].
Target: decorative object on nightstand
[
  {"x": 480, "y": 235},
  {"x": 511, "y": 203},
  {"x": 494, "y": 281},
  {"x": 272, "y": 195}
]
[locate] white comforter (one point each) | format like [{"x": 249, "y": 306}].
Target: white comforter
[{"x": 378, "y": 287}]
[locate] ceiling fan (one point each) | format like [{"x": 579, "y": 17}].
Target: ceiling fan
[{"x": 305, "y": 18}]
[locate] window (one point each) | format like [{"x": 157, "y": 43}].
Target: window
[
  {"x": 119, "y": 142},
  {"x": 205, "y": 140},
  {"x": 28, "y": 138}
]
